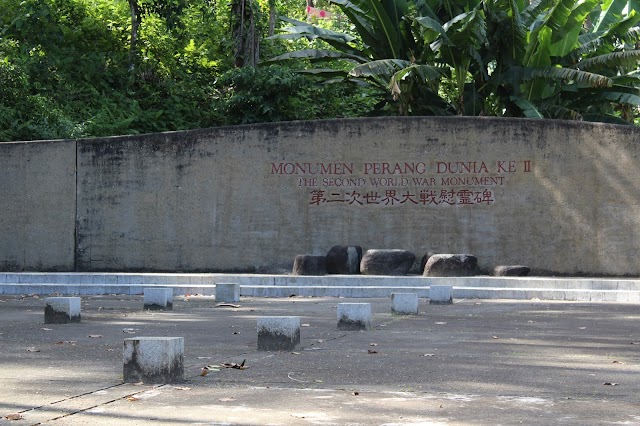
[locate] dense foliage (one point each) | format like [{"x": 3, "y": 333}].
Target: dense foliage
[
  {"x": 70, "y": 68},
  {"x": 572, "y": 59},
  {"x": 81, "y": 68}
]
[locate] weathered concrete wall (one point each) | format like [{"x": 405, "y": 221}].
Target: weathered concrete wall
[
  {"x": 37, "y": 206},
  {"x": 561, "y": 197},
  {"x": 557, "y": 196}
]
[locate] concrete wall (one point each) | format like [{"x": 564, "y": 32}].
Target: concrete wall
[
  {"x": 560, "y": 197},
  {"x": 37, "y": 206}
]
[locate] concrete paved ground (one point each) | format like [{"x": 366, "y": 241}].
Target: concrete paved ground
[{"x": 475, "y": 362}]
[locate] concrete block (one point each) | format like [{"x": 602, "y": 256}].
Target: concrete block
[
  {"x": 158, "y": 298},
  {"x": 440, "y": 294},
  {"x": 227, "y": 292},
  {"x": 404, "y": 303},
  {"x": 153, "y": 359},
  {"x": 278, "y": 333},
  {"x": 61, "y": 310},
  {"x": 354, "y": 316}
]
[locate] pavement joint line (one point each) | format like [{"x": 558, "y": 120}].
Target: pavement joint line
[{"x": 93, "y": 406}]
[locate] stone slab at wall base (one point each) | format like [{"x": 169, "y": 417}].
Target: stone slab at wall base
[
  {"x": 62, "y": 310},
  {"x": 559, "y": 197},
  {"x": 153, "y": 359}
]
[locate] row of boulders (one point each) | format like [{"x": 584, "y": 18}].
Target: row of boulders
[{"x": 351, "y": 260}]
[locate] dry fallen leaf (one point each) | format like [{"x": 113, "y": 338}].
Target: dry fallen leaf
[
  {"x": 14, "y": 416},
  {"x": 204, "y": 371},
  {"x": 133, "y": 398}
]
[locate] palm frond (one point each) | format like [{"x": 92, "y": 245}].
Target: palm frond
[
  {"x": 315, "y": 55},
  {"x": 580, "y": 77},
  {"x": 614, "y": 59},
  {"x": 527, "y": 107}
]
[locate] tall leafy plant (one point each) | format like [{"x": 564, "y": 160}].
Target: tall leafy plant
[{"x": 561, "y": 59}]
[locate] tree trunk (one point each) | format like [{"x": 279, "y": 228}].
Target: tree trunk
[
  {"x": 273, "y": 15},
  {"x": 135, "y": 24},
  {"x": 243, "y": 29}
]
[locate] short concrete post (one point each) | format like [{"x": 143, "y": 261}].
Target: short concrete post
[
  {"x": 278, "y": 333},
  {"x": 153, "y": 359},
  {"x": 404, "y": 303},
  {"x": 354, "y": 316},
  {"x": 440, "y": 294},
  {"x": 61, "y": 310},
  {"x": 227, "y": 293},
  {"x": 158, "y": 298}
]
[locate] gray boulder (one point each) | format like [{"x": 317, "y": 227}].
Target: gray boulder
[
  {"x": 344, "y": 259},
  {"x": 451, "y": 265},
  {"x": 386, "y": 262},
  {"x": 511, "y": 271},
  {"x": 306, "y": 264}
]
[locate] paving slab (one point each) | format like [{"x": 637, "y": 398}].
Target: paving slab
[{"x": 474, "y": 362}]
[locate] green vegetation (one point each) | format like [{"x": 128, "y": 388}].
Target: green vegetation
[
  {"x": 82, "y": 68},
  {"x": 571, "y": 59}
]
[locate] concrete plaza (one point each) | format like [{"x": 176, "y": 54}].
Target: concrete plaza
[{"x": 476, "y": 362}]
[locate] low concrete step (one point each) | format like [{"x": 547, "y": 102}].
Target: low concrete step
[
  {"x": 318, "y": 281},
  {"x": 583, "y": 289}
]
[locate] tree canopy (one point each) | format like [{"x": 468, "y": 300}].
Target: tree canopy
[{"x": 83, "y": 68}]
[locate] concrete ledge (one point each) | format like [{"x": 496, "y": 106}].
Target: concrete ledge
[
  {"x": 158, "y": 298},
  {"x": 354, "y": 316},
  {"x": 404, "y": 303},
  {"x": 153, "y": 359},
  {"x": 61, "y": 310},
  {"x": 227, "y": 292},
  {"x": 348, "y": 286},
  {"x": 278, "y": 333}
]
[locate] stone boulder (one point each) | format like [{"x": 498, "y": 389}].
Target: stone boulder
[
  {"x": 451, "y": 265},
  {"x": 511, "y": 271},
  {"x": 425, "y": 259},
  {"x": 386, "y": 262},
  {"x": 344, "y": 259},
  {"x": 306, "y": 264}
]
